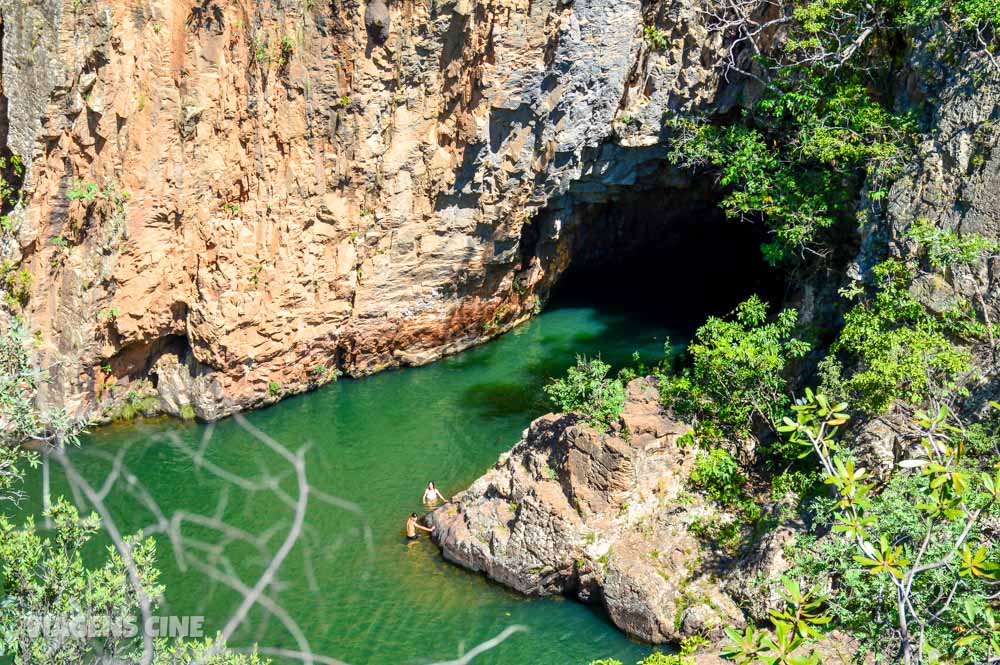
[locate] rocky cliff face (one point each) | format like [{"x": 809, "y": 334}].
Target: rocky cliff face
[
  {"x": 954, "y": 181},
  {"x": 237, "y": 200}
]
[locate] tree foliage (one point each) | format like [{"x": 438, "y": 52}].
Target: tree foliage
[
  {"x": 20, "y": 418},
  {"x": 46, "y": 580},
  {"x": 818, "y": 128},
  {"x": 904, "y": 350},
  {"x": 718, "y": 474},
  {"x": 736, "y": 379},
  {"x": 912, "y": 570},
  {"x": 588, "y": 390},
  {"x": 795, "y": 159}
]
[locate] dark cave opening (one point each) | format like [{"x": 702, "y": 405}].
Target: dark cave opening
[{"x": 674, "y": 262}]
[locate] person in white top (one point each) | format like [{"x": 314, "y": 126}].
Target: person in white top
[{"x": 432, "y": 495}]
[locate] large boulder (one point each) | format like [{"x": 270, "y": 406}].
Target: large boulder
[
  {"x": 601, "y": 516},
  {"x": 377, "y": 19}
]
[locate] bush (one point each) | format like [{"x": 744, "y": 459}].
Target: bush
[
  {"x": 136, "y": 405},
  {"x": 736, "y": 379},
  {"x": 717, "y": 473},
  {"x": 689, "y": 646},
  {"x": 587, "y": 390},
  {"x": 904, "y": 350},
  {"x": 42, "y": 577}
]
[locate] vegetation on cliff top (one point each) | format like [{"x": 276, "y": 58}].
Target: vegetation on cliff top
[{"x": 908, "y": 566}]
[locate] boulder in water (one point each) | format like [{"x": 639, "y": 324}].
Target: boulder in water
[{"x": 604, "y": 517}]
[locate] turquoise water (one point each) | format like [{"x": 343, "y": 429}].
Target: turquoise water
[{"x": 375, "y": 442}]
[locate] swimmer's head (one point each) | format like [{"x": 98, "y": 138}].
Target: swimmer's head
[{"x": 413, "y": 514}]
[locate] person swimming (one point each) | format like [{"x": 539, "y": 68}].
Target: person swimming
[
  {"x": 432, "y": 495},
  {"x": 412, "y": 525}
]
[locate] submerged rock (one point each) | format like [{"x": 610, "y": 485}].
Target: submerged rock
[{"x": 603, "y": 517}]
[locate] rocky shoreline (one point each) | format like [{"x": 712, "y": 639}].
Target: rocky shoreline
[{"x": 610, "y": 518}]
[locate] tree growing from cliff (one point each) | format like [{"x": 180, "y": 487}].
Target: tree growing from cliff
[
  {"x": 817, "y": 127},
  {"x": 911, "y": 570},
  {"x": 11, "y": 169},
  {"x": 796, "y": 158},
  {"x": 901, "y": 349},
  {"x": 831, "y": 35}
]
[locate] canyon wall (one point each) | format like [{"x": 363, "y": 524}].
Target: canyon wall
[
  {"x": 228, "y": 201},
  {"x": 238, "y": 199}
]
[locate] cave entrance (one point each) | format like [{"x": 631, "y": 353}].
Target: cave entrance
[{"x": 673, "y": 260}]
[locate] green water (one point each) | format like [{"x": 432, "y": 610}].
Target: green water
[{"x": 375, "y": 442}]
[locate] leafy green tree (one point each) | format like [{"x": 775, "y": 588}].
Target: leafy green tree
[
  {"x": 788, "y": 161},
  {"x": 794, "y": 629},
  {"x": 904, "y": 350},
  {"x": 48, "y": 589},
  {"x": 736, "y": 379},
  {"x": 46, "y": 581},
  {"x": 818, "y": 127},
  {"x": 588, "y": 390},
  {"x": 920, "y": 545}
]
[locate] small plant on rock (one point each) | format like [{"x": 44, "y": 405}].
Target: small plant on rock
[
  {"x": 656, "y": 39},
  {"x": 286, "y": 49},
  {"x": 81, "y": 190},
  {"x": 589, "y": 391}
]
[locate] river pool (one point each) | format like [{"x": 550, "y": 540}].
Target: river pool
[{"x": 352, "y": 585}]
